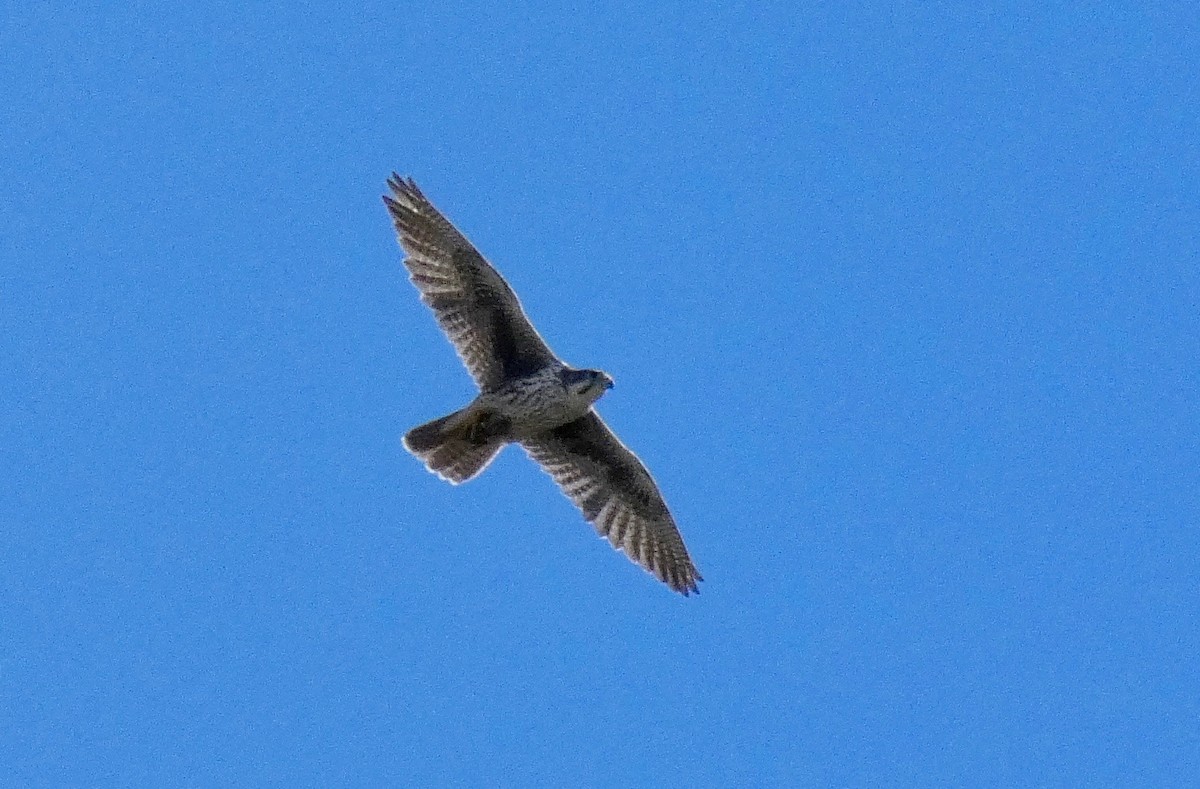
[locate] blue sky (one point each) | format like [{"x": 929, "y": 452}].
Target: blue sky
[{"x": 902, "y": 305}]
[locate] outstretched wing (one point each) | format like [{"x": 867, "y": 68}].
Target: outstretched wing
[
  {"x": 617, "y": 495},
  {"x": 473, "y": 304}
]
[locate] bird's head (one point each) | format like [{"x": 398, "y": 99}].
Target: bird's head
[{"x": 587, "y": 384}]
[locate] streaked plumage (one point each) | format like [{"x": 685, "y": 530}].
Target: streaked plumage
[{"x": 527, "y": 396}]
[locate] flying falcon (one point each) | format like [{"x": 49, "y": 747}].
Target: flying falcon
[{"x": 527, "y": 396}]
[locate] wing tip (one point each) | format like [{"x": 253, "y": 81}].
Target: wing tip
[
  {"x": 686, "y": 583},
  {"x": 406, "y": 203},
  {"x": 403, "y": 187}
]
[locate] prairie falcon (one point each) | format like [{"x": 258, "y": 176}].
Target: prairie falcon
[{"x": 527, "y": 396}]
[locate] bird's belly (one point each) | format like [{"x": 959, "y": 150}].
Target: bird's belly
[
  {"x": 545, "y": 416},
  {"x": 535, "y": 412}
]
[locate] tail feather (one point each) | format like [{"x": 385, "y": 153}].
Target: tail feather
[
  {"x": 425, "y": 438},
  {"x": 448, "y": 450},
  {"x": 459, "y": 461}
]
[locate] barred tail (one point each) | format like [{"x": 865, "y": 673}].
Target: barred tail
[{"x": 452, "y": 446}]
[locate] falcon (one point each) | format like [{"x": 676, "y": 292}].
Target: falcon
[{"x": 527, "y": 396}]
